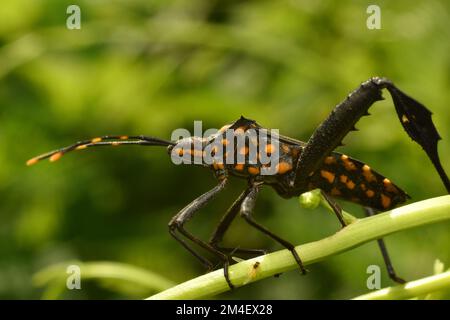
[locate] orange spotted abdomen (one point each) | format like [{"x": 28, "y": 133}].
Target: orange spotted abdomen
[{"x": 343, "y": 177}]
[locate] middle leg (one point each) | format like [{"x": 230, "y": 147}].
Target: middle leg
[
  {"x": 336, "y": 208},
  {"x": 224, "y": 225},
  {"x": 246, "y": 212}
]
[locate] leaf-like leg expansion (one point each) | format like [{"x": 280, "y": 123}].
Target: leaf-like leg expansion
[
  {"x": 416, "y": 120},
  {"x": 414, "y": 117}
]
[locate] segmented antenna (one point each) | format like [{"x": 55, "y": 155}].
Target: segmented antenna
[{"x": 99, "y": 142}]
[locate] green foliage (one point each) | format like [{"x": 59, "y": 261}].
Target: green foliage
[
  {"x": 148, "y": 67},
  {"x": 124, "y": 279}
]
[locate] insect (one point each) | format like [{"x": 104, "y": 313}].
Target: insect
[{"x": 297, "y": 168}]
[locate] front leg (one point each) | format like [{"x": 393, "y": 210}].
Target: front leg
[
  {"x": 178, "y": 221},
  {"x": 414, "y": 117}
]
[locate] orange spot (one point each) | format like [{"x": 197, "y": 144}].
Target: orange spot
[
  {"x": 327, "y": 175},
  {"x": 269, "y": 149},
  {"x": 330, "y": 160},
  {"x": 385, "y": 201},
  {"x": 123, "y": 137},
  {"x": 224, "y": 142},
  {"x": 350, "y": 184},
  {"x": 239, "y": 131},
  {"x": 389, "y": 186},
  {"x": 253, "y": 170},
  {"x": 32, "y": 161},
  {"x": 363, "y": 186},
  {"x": 96, "y": 140},
  {"x": 349, "y": 165},
  {"x": 179, "y": 151},
  {"x": 198, "y": 153},
  {"x": 367, "y": 173},
  {"x": 243, "y": 151},
  {"x": 295, "y": 152},
  {"x": 370, "y": 193},
  {"x": 239, "y": 167},
  {"x": 335, "y": 192},
  {"x": 283, "y": 167},
  {"x": 343, "y": 178},
  {"x": 218, "y": 166},
  {"x": 214, "y": 150},
  {"x": 56, "y": 156},
  {"x": 83, "y": 146}
]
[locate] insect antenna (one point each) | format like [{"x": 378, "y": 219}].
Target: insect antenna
[{"x": 99, "y": 142}]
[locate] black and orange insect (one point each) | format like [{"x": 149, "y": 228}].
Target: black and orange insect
[{"x": 301, "y": 166}]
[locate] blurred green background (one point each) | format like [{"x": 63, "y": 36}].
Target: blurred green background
[{"x": 149, "y": 67}]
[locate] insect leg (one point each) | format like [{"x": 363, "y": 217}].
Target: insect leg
[
  {"x": 369, "y": 212},
  {"x": 387, "y": 260},
  {"x": 237, "y": 250},
  {"x": 178, "y": 221},
  {"x": 336, "y": 208},
  {"x": 225, "y": 223},
  {"x": 414, "y": 117},
  {"x": 246, "y": 212}
]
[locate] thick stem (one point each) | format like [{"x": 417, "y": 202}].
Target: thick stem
[
  {"x": 357, "y": 233},
  {"x": 411, "y": 289}
]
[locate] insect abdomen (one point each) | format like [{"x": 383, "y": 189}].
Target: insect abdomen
[{"x": 351, "y": 180}]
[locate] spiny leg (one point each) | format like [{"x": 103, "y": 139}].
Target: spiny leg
[
  {"x": 246, "y": 212},
  {"x": 225, "y": 223},
  {"x": 387, "y": 260},
  {"x": 414, "y": 117},
  {"x": 336, "y": 208},
  {"x": 178, "y": 221},
  {"x": 101, "y": 141}
]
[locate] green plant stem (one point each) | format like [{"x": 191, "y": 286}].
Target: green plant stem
[
  {"x": 357, "y": 233},
  {"x": 411, "y": 289},
  {"x": 103, "y": 269}
]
